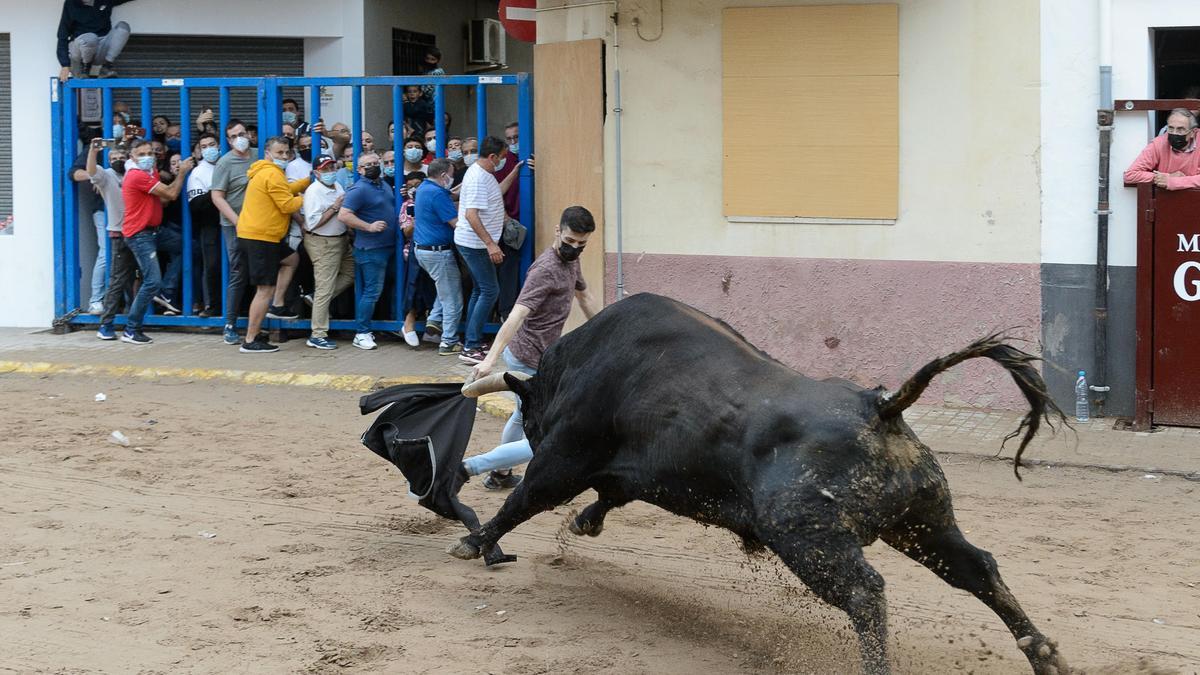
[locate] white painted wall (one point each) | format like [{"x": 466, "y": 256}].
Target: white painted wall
[
  {"x": 1070, "y": 91},
  {"x": 969, "y": 134},
  {"x": 26, "y": 258}
]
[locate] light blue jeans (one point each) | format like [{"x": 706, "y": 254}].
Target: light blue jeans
[
  {"x": 514, "y": 448},
  {"x": 100, "y": 269},
  {"x": 442, "y": 267}
]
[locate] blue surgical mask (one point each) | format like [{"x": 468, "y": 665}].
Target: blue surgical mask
[
  {"x": 281, "y": 163},
  {"x": 454, "y": 155},
  {"x": 389, "y": 170},
  {"x": 289, "y": 117},
  {"x": 514, "y": 148},
  {"x": 118, "y": 131},
  {"x": 470, "y": 158},
  {"x": 146, "y": 163},
  {"x": 211, "y": 154},
  {"x": 413, "y": 155},
  {"x": 327, "y": 178}
]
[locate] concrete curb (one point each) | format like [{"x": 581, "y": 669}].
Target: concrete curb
[{"x": 496, "y": 405}]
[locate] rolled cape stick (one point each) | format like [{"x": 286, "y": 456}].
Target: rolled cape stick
[{"x": 490, "y": 384}]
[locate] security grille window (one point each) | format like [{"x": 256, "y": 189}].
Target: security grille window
[
  {"x": 408, "y": 51},
  {"x": 6, "y": 202},
  {"x": 174, "y": 56}
]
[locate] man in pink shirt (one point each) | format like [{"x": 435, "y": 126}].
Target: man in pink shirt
[{"x": 1170, "y": 161}]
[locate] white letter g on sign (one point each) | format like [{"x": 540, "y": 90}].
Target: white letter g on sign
[{"x": 1181, "y": 281}]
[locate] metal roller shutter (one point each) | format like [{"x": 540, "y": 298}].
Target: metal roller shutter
[
  {"x": 174, "y": 56},
  {"x": 6, "y": 192}
]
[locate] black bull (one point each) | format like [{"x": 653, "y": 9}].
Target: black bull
[{"x": 656, "y": 401}]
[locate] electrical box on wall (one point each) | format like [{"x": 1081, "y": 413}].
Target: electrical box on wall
[{"x": 485, "y": 45}]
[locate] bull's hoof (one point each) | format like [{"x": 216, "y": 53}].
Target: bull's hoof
[
  {"x": 1044, "y": 656},
  {"x": 464, "y": 550},
  {"x": 587, "y": 528}
]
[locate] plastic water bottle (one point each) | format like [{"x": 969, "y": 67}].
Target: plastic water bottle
[{"x": 1081, "y": 398}]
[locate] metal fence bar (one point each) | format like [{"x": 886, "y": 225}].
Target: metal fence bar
[
  {"x": 71, "y": 195},
  {"x": 439, "y": 121},
  {"x": 185, "y": 151},
  {"x": 381, "y": 80},
  {"x": 525, "y": 120},
  {"x": 480, "y": 113},
  {"x": 58, "y": 167},
  {"x": 356, "y": 124},
  {"x": 397, "y": 184},
  {"x": 147, "y": 115},
  {"x": 314, "y": 116},
  {"x": 223, "y": 118}
]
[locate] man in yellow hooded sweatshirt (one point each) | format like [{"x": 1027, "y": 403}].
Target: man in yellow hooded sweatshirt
[{"x": 261, "y": 228}]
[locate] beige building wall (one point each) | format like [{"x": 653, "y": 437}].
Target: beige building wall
[{"x": 969, "y": 134}]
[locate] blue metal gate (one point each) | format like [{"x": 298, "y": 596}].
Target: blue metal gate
[{"x": 68, "y": 305}]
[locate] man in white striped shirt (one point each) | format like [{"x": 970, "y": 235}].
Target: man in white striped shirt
[{"x": 477, "y": 236}]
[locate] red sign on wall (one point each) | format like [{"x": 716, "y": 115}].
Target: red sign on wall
[{"x": 519, "y": 19}]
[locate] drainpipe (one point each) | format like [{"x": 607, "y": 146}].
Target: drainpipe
[
  {"x": 617, "y": 112},
  {"x": 1104, "y": 122}
]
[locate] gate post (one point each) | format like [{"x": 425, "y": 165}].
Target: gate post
[
  {"x": 1144, "y": 322},
  {"x": 525, "y": 121},
  {"x": 56, "y": 138}
]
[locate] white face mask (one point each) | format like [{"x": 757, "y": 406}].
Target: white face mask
[
  {"x": 470, "y": 158},
  {"x": 241, "y": 143},
  {"x": 500, "y": 164},
  {"x": 431, "y": 145}
]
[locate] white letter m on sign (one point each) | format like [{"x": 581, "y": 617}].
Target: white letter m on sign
[{"x": 1189, "y": 245}]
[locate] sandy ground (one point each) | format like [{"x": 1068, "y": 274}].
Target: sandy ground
[{"x": 320, "y": 564}]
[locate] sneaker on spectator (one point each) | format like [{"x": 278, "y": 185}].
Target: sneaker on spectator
[
  {"x": 433, "y": 327},
  {"x": 78, "y": 70},
  {"x": 321, "y": 343},
  {"x": 136, "y": 337},
  {"x": 308, "y": 299},
  {"x": 106, "y": 332},
  {"x": 168, "y": 308},
  {"x": 449, "y": 350},
  {"x": 96, "y": 308},
  {"x": 230, "y": 336},
  {"x": 274, "y": 312},
  {"x": 501, "y": 481},
  {"x": 258, "y": 347},
  {"x": 106, "y": 71},
  {"x": 207, "y": 312},
  {"x": 471, "y": 356},
  {"x": 364, "y": 341},
  {"x": 431, "y": 338}
]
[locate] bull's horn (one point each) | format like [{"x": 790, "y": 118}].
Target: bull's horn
[{"x": 490, "y": 384}]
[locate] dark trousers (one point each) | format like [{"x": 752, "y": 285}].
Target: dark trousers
[
  {"x": 508, "y": 275},
  {"x": 210, "y": 262},
  {"x": 237, "y": 275},
  {"x": 121, "y": 269}
]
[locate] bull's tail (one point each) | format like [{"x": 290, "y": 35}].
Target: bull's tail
[{"x": 1018, "y": 363}]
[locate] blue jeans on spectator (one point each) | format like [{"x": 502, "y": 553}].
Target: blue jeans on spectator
[
  {"x": 144, "y": 246},
  {"x": 100, "y": 269},
  {"x": 170, "y": 243},
  {"x": 483, "y": 292},
  {"x": 514, "y": 448},
  {"x": 442, "y": 267},
  {"x": 237, "y": 275},
  {"x": 370, "y": 267}
]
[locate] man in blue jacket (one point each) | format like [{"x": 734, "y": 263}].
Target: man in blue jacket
[{"x": 87, "y": 38}]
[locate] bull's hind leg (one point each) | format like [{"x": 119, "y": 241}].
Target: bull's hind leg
[
  {"x": 549, "y": 481},
  {"x": 590, "y": 521},
  {"x": 833, "y": 566},
  {"x": 938, "y": 544}
]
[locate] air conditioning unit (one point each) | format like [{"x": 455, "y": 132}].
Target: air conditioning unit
[{"x": 485, "y": 44}]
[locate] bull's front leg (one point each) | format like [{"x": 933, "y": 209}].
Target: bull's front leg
[
  {"x": 549, "y": 481},
  {"x": 590, "y": 521}
]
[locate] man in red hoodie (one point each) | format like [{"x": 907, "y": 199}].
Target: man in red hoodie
[{"x": 1170, "y": 161}]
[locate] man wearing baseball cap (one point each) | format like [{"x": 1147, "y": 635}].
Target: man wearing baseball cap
[{"x": 328, "y": 245}]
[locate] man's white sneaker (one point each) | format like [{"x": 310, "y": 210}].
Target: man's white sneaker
[{"x": 364, "y": 341}]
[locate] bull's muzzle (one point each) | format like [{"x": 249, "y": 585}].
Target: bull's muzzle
[{"x": 490, "y": 384}]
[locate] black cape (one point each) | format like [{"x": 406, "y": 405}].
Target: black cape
[{"x": 423, "y": 431}]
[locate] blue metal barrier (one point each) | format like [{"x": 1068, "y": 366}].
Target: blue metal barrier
[{"x": 68, "y": 305}]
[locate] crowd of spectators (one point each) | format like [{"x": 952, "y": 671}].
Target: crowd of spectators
[{"x": 303, "y": 227}]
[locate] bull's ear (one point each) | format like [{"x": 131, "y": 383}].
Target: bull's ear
[{"x": 518, "y": 386}]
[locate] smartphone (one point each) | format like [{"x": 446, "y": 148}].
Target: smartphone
[{"x": 105, "y": 143}]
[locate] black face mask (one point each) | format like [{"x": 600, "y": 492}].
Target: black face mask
[
  {"x": 305, "y": 154},
  {"x": 568, "y": 252},
  {"x": 372, "y": 173},
  {"x": 119, "y": 167},
  {"x": 1177, "y": 141}
]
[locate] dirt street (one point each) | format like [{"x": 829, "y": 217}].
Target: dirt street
[{"x": 245, "y": 529}]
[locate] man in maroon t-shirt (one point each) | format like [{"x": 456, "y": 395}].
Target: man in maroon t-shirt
[
  {"x": 536, "y": 321},
  {"x": 144, "y": 195}
]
